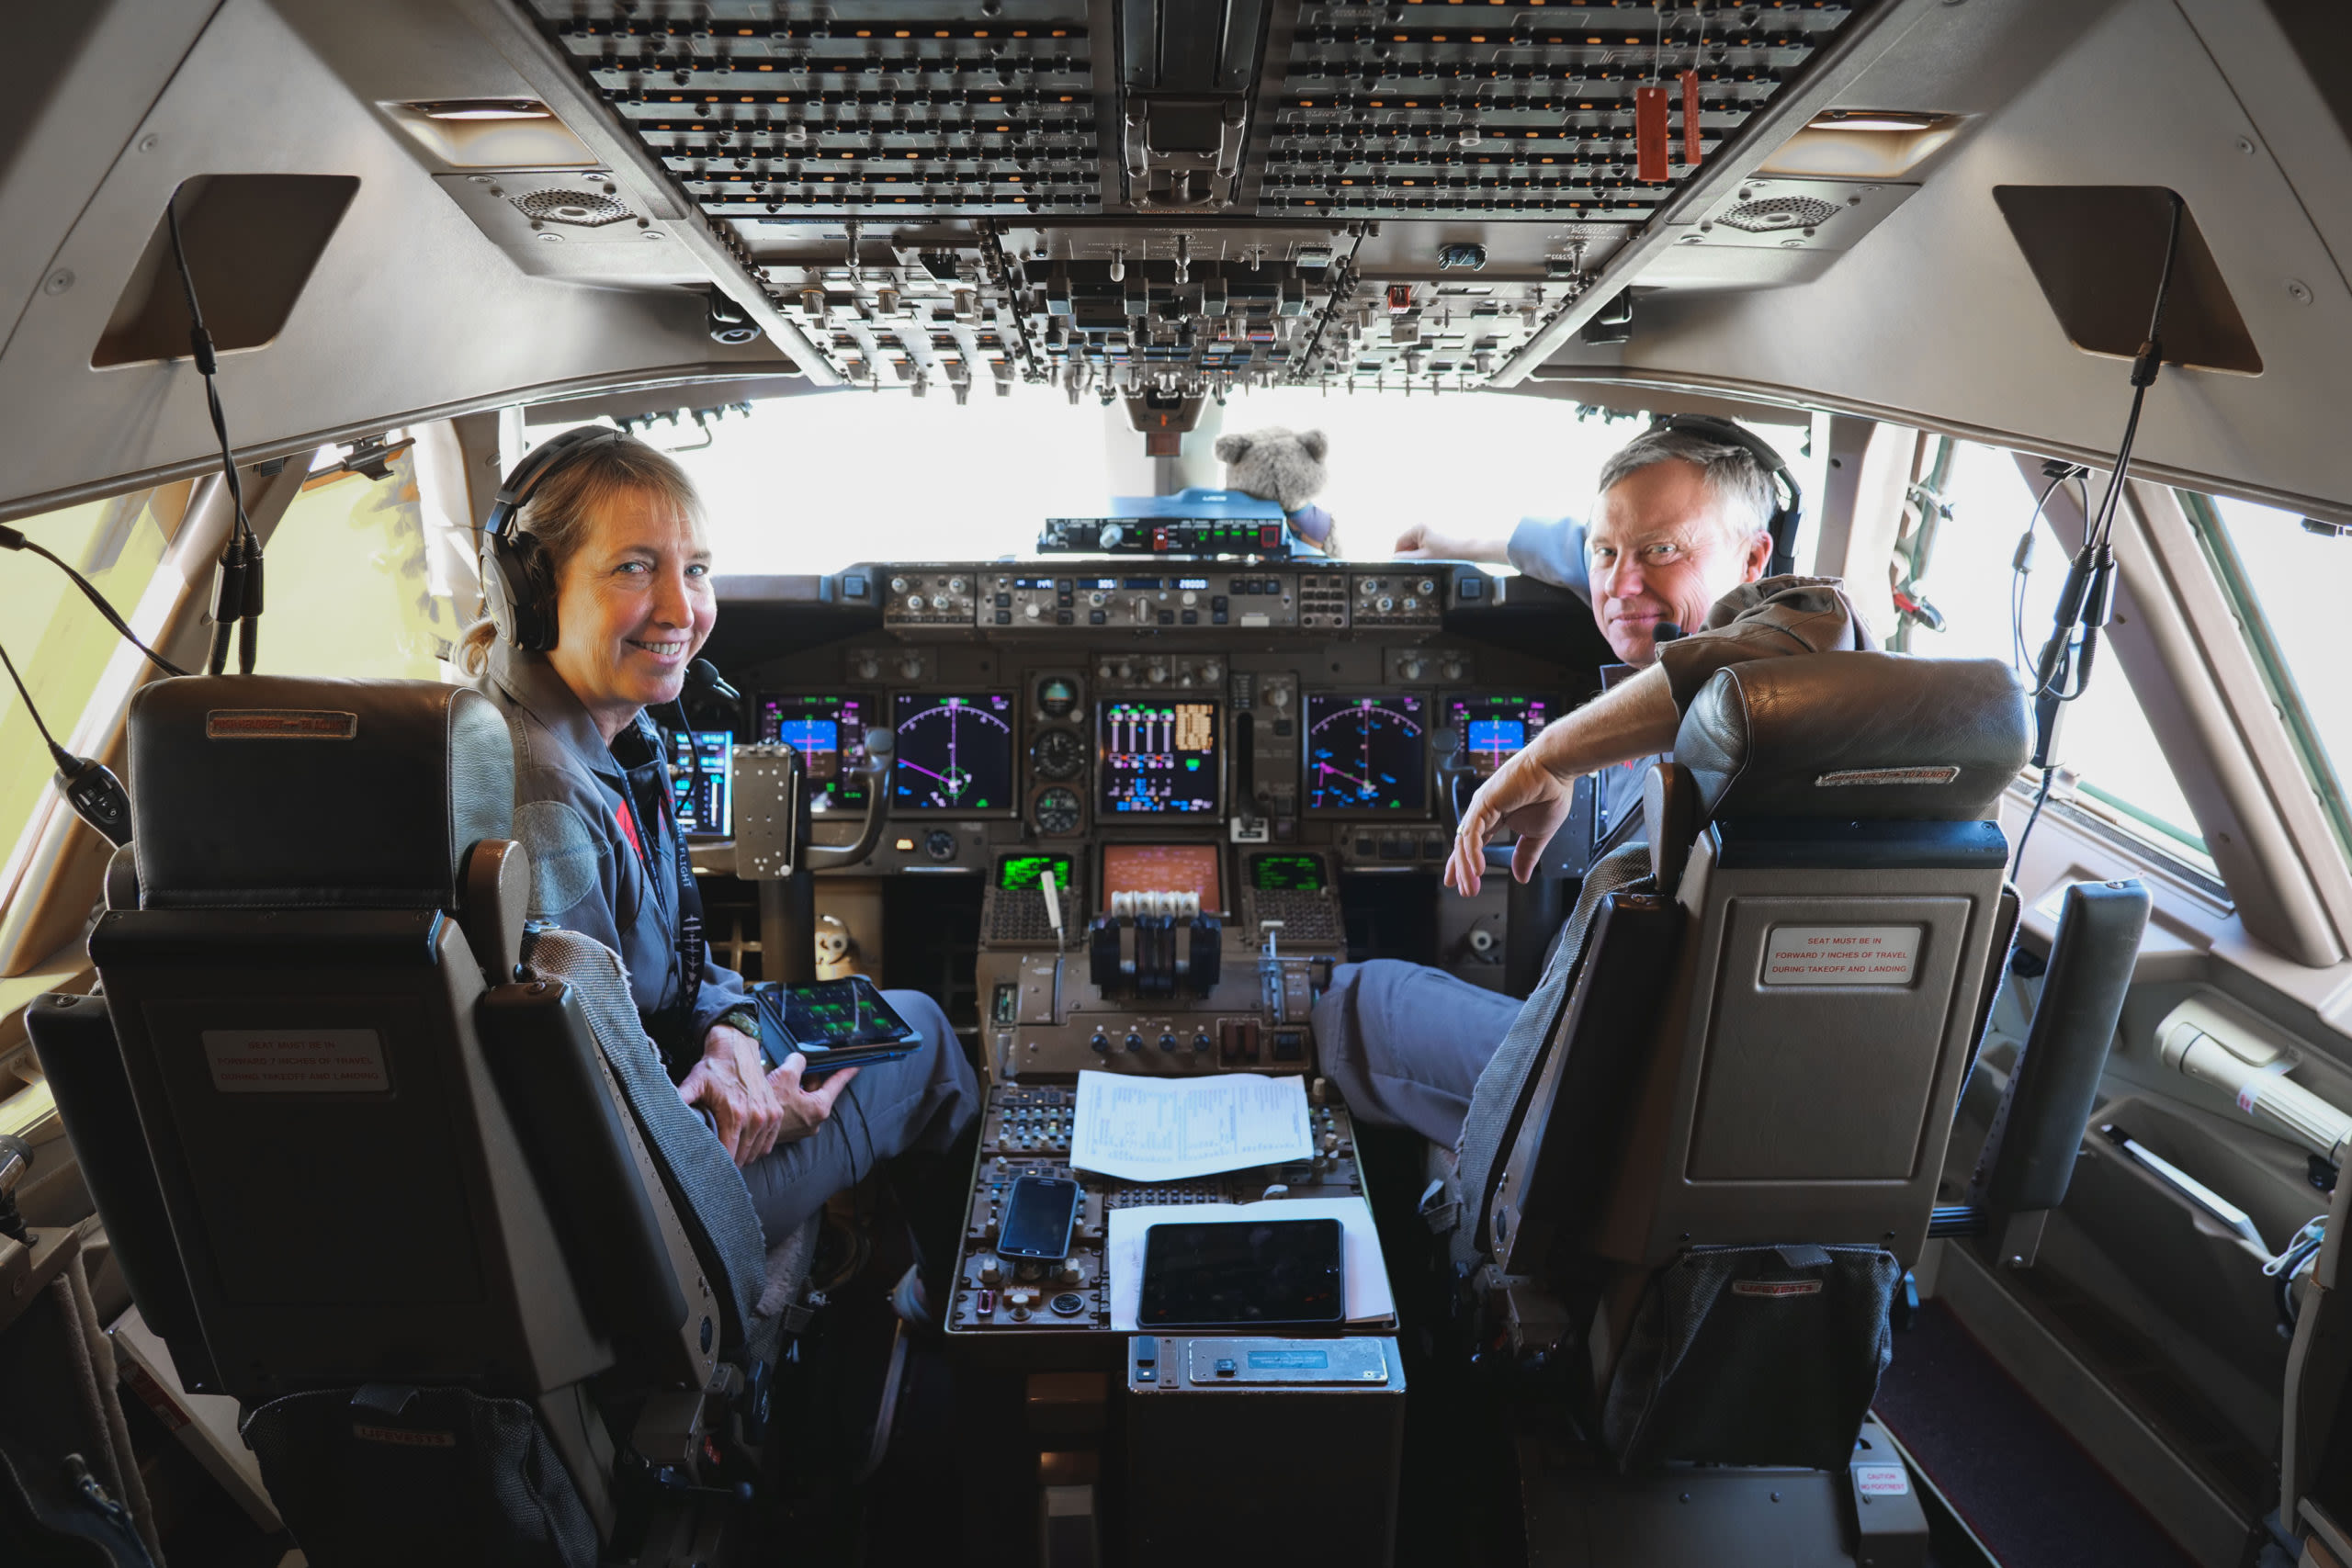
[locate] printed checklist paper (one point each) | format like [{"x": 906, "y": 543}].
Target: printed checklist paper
[{"x": 1141, "y": 1129}]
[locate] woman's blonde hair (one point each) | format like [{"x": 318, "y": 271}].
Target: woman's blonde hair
[{"x": 563, "y": 506}]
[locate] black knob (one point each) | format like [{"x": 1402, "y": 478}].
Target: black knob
[
  {"x": 1168, "y": 1042},
  {"x": 1200, "y": 1045},
  {"x": 1100, "y": 1044},
  {"x": 1135, "y": 1042}
]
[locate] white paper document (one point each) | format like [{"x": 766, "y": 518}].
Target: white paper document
[
  {"x": 1141, "y": 1129},
  {"x": 1365, "y": 1271}
]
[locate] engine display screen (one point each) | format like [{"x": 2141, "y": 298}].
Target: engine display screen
[
  {"x": 830, "y": 734},
  {"x": 1016, "y": 873},
  {"x": 954, "y": 753},
  {"x": 1367, "y": 756},
  {"x": 1158, "y": 757},
  {"x": 1493, "y": 726},
  {"x": 701, "y": 800},
  {"x": 1163, "y": 868},
  {"x": 1286, "y": 874}
]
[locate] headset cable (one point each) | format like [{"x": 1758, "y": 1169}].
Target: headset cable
[
  {"x": 237, "y": 598},
  {"x": 2086, "y": 601}
]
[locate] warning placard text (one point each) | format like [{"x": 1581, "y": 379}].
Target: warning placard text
[
  {"x": 296, "y": 1061},
  {"x": 1841, "y": 955}
]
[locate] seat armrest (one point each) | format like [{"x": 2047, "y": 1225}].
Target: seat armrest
[
  {"x": 73, "y": 1037},
  {"x": 549, "y": 1074}
]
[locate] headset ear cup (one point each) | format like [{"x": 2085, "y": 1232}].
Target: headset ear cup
[{"x": 534, "y": 584}]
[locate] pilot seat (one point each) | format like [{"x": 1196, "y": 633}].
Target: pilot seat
[
  {"x": 409, "y": 1184},
  {"x": 1692, "y": 1181}
]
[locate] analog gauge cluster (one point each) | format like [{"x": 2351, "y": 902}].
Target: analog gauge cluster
[{"x": 1057, "y": 758}]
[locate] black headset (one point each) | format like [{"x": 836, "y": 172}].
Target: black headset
[
  {"x": 1789, "y": 507},
  {"x": 518, "y": 581}
]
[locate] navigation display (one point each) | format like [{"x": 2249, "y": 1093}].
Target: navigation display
[
  {"x": 1493, "y": 726},
  {"x": 1163, "y": 868},
  {"x": 1367, "y": 756},
  {"x": 702, "y": 806},
  {"x": 954, "y": 753},
  {"x": 1158, "y": 758},
  {"x": 830, "y": 734},
  {"x": 1286, "y": 874},
  {"x": 1016, "y": 873}
]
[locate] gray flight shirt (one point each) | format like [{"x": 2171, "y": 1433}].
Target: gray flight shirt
[{"x": 603, "y": 843}]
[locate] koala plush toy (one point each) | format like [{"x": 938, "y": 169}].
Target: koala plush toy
[{"x": 1285, "y": 468}]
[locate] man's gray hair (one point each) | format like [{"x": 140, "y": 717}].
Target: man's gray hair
[{"x": 1740, "y": 485}]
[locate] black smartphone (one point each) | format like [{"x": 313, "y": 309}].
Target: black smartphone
[
  {"x": 1038, "y": 1217},
  {"x": 834, "y": 1023},
  {"x": 1253, "y": 1273}
]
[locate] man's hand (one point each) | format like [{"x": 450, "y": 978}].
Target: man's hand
[
  {"x": 1421, "y": 542},
  {"x": 806, "y": 1110},
  {"x": 732, "y": 1081},
  {"x": 1523, "y": 796}
]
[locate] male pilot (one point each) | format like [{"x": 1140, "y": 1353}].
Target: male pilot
[{"x": 1677, "y": 535}]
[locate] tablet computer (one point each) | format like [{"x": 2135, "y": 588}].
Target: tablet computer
[
  {"x": 1247, "y": 1273},
  {"x": 834, "y": 1023}
]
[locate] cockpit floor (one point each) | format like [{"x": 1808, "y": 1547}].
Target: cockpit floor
[{"x": 2027, "y": 1490}]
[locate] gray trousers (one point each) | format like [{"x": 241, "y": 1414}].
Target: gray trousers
[
  {"x": 1404, "y": 1043},
  {"x": 917, "y": 1106}
]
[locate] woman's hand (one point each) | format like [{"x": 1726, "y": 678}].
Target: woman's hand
[
  {"x": 1523, "y": 796},
  {"x": 734, "y": 1085},
  {"x": 804, "y": 1110}
]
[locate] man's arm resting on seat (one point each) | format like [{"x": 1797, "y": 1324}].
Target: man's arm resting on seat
[{"x": 1531, "y": 793}]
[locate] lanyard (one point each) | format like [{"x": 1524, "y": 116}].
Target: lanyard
[{"x": 657, "y": 819}]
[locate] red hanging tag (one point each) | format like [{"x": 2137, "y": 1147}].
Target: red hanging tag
[
  {"x": 1649, "y": 135},
  {"x": 1690, "y": 118}
]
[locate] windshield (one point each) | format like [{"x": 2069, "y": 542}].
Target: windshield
[
  {"x": 2288, "y": 574},
  {"x": 820, "y": 482}
]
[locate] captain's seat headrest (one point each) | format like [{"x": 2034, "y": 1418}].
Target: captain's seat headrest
[
  {"x": 266, "y": 790},
  {"x": 1856, "y": 735}
]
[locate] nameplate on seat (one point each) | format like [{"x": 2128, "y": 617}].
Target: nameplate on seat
[
  {"x": 1845, "y": 777},
  {"x": 1841, "y": 955},
  {"x": 296, "y": 1061},
  {"x": 280, "y": 724}
]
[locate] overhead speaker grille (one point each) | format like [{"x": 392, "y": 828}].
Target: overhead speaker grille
[
  {"x": 575, "y": 208},
  {"x": 1779, "y": 212}
]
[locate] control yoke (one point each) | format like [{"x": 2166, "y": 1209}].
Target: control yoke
[{"x": 881, "y": 746}]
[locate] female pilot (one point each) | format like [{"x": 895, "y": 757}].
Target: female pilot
[{"x": 603, "y": 598}]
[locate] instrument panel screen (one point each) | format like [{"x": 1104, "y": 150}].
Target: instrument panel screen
[
  {"x": 1163, "y": 868},
  {"x": 1286, "y": 874},
  {"x": 701, "y": 799},
  {"x": 955, "y": 753},
  {"x": 1016, "y": 873},
  {"x": 830, "y": 734},
  {"x": 1493, "y": 726},
  {"x": 1158, "y": 757},
  {"x": 1367, "y": 756}
]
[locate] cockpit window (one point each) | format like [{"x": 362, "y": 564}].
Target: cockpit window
[
  {"x": 816, "y": 482},
  {"x": 1991, "y": 610},
  {"x": 79, "y": 671},
  {"x": 2287, "y": 576}
]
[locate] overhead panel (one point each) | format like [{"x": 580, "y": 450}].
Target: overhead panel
[{"x": 1183, "y": 196}]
